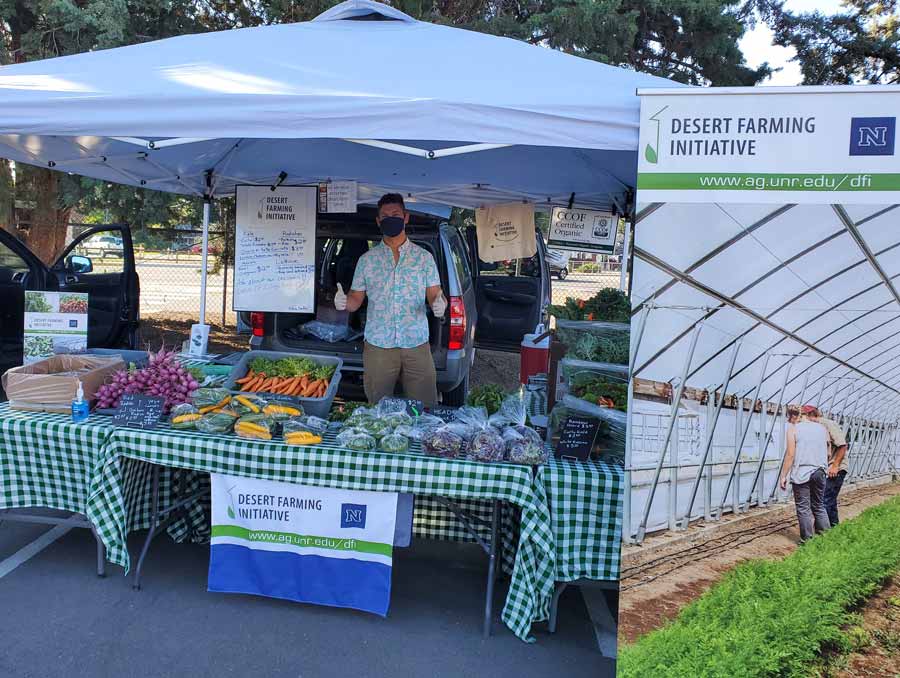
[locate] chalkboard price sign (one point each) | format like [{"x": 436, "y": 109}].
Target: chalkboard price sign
[
  {"x": 139, "y": 410},
  {"x": 576, "y": 439},
  {"x": 446, "y": 413}
]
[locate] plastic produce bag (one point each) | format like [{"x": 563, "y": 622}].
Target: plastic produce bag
[
  {"x": 248, "y": 404},
  {"x": 349, "y": 432},
  {"x": 600, "y": 384},
  {"x": 330, "y": 332},
  {"x": 184, "y": 416},
  {"x": 394, "y": 442},
  {"x": 362, "y": 414},
  {"x": 600, "y": 342},
  {"x": 306, "y": 422},
  {"x": 388, "y": 406},
  {"x": 443, "y": 442},
  {"x": 512, "y": 412},
  {"x": 395, "y": 419},
  {"x": 360, "y": 442},
  {"x": 524, "y": 445},
  {"x": 216, "y": 422},
  {"x": 377, "y": 428},
  {"x": 280, "y": 411},
  {"x": 209, "y": 399},
  {"x": 257, "y": 426},
  {"x": 486, "y": 445},
  {"x": 300, "y": 431}
]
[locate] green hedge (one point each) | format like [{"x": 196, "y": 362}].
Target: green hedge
[{"x": 773, "y": 618}]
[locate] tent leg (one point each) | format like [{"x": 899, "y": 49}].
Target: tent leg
[{"x": 203, "y": 270}]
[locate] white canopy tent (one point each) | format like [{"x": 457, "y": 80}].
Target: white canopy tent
[{"x": 362, "y": 92}]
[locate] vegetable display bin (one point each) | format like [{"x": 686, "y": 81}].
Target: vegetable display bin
[
  {"x": 319, "y": 407},
  {"x": 50, "y": 385},
  {"x": 595, "y": 341}
]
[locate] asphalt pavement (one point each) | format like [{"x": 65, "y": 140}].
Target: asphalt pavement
[{"x": 60, "y": 619}]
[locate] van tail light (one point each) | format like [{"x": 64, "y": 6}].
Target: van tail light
[
  {"x": 258, "y": 323},
  {"x": 457, "y": 323}
]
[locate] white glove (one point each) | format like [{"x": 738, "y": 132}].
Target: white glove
[
  {"x": 340, "y": 299},
  {"x": 438, "y": 306}
]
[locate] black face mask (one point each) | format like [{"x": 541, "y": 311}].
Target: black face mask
[{"x": 391, "y": 226}]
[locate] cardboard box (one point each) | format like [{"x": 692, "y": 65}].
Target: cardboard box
[{"x": 50, "y": 385}]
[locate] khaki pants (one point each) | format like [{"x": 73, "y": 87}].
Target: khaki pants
[{"x": 414, "y": 366}]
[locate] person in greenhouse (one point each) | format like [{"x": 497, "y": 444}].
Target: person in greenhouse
[
  {"x": 838, "y": 467},
  {"x": 805, "y": 463}
]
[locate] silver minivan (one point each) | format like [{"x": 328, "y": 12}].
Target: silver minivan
[{"x": 490, "y": 305}]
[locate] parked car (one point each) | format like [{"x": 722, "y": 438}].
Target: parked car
[
  {"x": 113, "y": 301},
  {"x": 559, "y": 263},
  {"x": 490, "y": 305},
  {"x": 104, "y": 245},
  {"x": 210, "y": 249}
]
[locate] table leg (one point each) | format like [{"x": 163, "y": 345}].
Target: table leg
[
  {"x": 101, "y": 554},
  {"x": 492, "y": 567},
  {"x": 554, "y": 606},
  {"x": 154, "y": 520}
]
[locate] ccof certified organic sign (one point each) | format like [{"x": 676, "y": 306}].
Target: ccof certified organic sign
[
  {"x": 55, "y": 322},
  {"x": 583, "y": 230}
]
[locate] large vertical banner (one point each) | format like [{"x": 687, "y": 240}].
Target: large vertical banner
[
  {"x": 308, "y": 544},
  {"x": 274, "y": 255}
]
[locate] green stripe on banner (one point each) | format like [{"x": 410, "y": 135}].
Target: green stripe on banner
[
  {"x": 758, "y": 181},
  {"x": 305, "y": 540}
]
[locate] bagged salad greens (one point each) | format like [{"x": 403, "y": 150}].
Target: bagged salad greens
[
  {"x": 394, "y": 442},
  {"x": 443, "y": 442},
  {"x": 524, "y": 445},
  {"x": 486, "y": 445},
  {"x": 361, "y": 442},
  {"x": 395, "y": 419}
]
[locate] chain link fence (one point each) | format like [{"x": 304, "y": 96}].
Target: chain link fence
[{"x": 169, "y": 263}]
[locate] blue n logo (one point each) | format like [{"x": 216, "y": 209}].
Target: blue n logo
[
  {"x": 872, "y": 136},
  {"x": 353, "y": 515}
]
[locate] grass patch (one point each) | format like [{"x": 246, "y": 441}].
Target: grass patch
[{"x": 774, "y": 618}]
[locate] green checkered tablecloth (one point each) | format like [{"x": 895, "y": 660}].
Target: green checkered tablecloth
[
  {"x": 585, "y": 500},
  {"x": 46, "y": 460},
  {"x": 531, "y": 587}
]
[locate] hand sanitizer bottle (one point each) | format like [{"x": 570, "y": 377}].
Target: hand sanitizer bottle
[{"x": 80, "y": 407}]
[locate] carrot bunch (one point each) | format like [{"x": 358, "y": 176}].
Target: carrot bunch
[{"x": 287, "y": 377}]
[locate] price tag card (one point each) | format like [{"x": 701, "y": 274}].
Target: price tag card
[
  {"x": 139, "y": 411},
  {"x": 576, "y": 439}
]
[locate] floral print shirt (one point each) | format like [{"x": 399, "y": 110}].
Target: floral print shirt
[{"x": 396, "y": 315}]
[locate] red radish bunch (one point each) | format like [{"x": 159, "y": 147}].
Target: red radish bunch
[{"x": 164, "y": 377}]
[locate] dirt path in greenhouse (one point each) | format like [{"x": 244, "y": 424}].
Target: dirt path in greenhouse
[{"x": 671, "y": 570}]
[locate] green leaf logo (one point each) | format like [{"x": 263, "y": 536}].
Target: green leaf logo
[
  {"x": 230, "y": 513},
  {"x": 650, "y": 154}
]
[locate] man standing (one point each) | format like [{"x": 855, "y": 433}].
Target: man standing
[
  {"x": 837, "y": 467},
  {"x": 805, "y": 460},
  {"x": 399, "y": 278}
]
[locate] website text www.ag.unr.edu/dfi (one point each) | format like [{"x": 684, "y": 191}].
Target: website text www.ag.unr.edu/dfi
[{"x": 788, "y": 182}]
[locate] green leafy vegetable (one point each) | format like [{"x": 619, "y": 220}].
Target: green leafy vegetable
[{"x": 488, "y": 396}]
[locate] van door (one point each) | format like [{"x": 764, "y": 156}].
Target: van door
[
  {"x": 20, "y": 270},
  {"x": 511, "y": 296},
  {"x": 101, "y": 263}
]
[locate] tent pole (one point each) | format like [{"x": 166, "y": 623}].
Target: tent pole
[
  {"x": 206, "y": 201},
  {"x": 626, "y": 251}
]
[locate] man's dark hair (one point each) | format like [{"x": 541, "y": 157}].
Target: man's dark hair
[{"x": 391, "y": 199}]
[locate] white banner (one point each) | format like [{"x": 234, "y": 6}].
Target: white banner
[
  {"x": 800, "y": 145},
  {"x": 309, "y": 544},
  {"x": 274, "y": 258}
]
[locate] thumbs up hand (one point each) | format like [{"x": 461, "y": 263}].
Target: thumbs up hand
[{"x": 340, "y": 299}]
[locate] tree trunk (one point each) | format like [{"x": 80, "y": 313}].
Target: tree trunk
[
  {"x": 49, "y": 222},
  {"x": 7, "y": 198}
]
